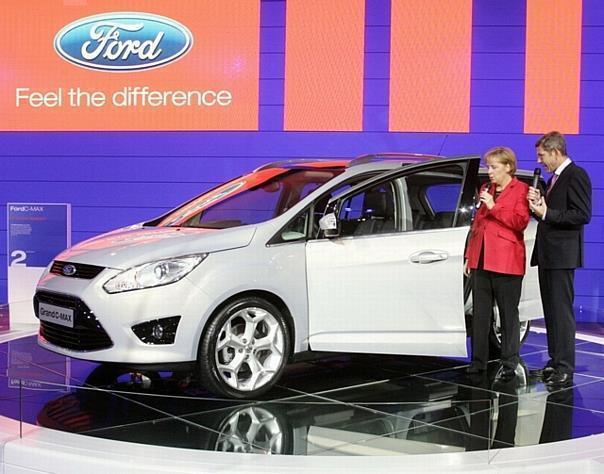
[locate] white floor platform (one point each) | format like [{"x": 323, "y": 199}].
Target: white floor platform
[{"x": 31, "y": 449}]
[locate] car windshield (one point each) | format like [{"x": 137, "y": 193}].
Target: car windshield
[{"x": 253, "y": 198}]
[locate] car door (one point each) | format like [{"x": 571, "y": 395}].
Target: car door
[{"x": 392, "y": 281}]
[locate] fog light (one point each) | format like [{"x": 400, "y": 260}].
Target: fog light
[{"x": 157, "y": 331}]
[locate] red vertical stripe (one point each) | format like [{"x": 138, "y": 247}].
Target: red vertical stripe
[
  {"x": 430, "y": 64},
  {"x": 324, "y": 65},
  {"x": 553, "y": 66}
]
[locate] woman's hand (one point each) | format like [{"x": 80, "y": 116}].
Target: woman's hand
[
  {"x": 466, "y": 269},
  {"x": 487, "y": 199}
]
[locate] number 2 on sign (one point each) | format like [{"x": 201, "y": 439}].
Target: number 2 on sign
[{"x": 19, "y": 258}]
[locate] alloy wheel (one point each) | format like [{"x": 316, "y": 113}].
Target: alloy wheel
[{"x": 249, "y": 349}]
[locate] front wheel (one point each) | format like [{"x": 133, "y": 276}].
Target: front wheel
[{"x": 244, "y": 349}]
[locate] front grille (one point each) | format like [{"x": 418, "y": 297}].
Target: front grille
[
  {"x": 87, "y": 333},
  {"x": 87, "y": 272}
]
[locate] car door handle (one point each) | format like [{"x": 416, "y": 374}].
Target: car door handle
[{"x": 429, "y": 256}]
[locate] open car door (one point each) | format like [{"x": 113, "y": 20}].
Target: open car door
[{"x": 391, "y": 279}]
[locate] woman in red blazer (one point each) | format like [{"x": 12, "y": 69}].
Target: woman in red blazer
[{"x": 496, "y": 258}]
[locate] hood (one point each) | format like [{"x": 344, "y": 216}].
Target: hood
[{"x": 128, "y": 247}]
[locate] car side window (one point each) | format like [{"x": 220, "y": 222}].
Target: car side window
[
  {"x": 433, "y": 197},
  {"x": 306, "y": 224},
  {"x": 319, "y": 207},
  {"x": 369, "y": 212},
  {"x": 297, "y": 229}
]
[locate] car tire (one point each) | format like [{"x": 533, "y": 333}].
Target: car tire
[{"x": 244, "y": 349}]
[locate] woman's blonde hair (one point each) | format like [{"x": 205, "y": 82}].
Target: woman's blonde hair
[{"x": 503, "y": 155}]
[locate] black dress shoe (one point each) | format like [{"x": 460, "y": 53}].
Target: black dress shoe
[
  {"x": 544, "y": 374},
  {"x": 559, "y": 379}
]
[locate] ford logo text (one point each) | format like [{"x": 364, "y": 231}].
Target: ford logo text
[{"x": 123, "y": 41}]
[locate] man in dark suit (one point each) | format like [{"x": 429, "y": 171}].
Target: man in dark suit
[{"x": 562, "y": 213}]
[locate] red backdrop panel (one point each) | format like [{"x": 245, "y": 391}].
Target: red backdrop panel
[
  {"x": 430, "y": 65},
  {"x": 324, "y": 65},
  {"x": 553, "y": 66}
]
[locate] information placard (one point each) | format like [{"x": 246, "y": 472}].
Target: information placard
[{"x": 36, "y": 233}]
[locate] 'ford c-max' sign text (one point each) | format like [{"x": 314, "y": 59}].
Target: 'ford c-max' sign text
[{"x": 123, "y": 41}]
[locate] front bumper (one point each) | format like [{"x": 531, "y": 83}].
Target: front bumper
[{"x": 103, "y": 326}]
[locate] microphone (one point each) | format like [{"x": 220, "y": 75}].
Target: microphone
[
  {"x": 488, "y": 190},
  {"x": 536, "y": 175}
]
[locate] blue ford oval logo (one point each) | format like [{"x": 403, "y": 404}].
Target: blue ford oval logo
[
  {"x": 123, "y": 41},
  {"x": 69, "y": 270}
]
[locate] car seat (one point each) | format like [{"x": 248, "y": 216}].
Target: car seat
[{"x": 375, "y": 216}]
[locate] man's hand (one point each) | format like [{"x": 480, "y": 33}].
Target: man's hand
[
  {"x": 466, "y": 269},
  {"x": 536, "y": 202},
  {"x": 534, "y": 195},
  {"x": 538, "y": 207}
]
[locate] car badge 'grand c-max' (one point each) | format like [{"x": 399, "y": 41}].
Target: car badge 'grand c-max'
[
  {"x": 69, "y": 270},
  {"x": 123, "y": 41}
]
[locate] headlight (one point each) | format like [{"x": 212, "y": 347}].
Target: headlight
[{"x": 158, "y": 273}]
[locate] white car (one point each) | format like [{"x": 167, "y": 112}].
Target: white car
[{"x": 241, "y": 279}]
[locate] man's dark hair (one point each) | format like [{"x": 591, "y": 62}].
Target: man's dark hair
[{"x": 552, "y": 141}]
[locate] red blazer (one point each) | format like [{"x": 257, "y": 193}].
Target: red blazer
[{"x": 501, "y": 231}]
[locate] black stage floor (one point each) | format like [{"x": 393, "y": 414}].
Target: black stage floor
[{"x": 336, "y": 405}]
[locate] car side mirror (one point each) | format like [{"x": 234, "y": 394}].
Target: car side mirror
[{"x": 329, "y": 225}]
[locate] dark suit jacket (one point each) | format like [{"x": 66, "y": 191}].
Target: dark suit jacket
[{"x": 559, "y": 242}]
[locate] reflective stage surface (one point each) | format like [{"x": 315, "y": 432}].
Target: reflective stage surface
[{"x": 335, "y": 405}]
